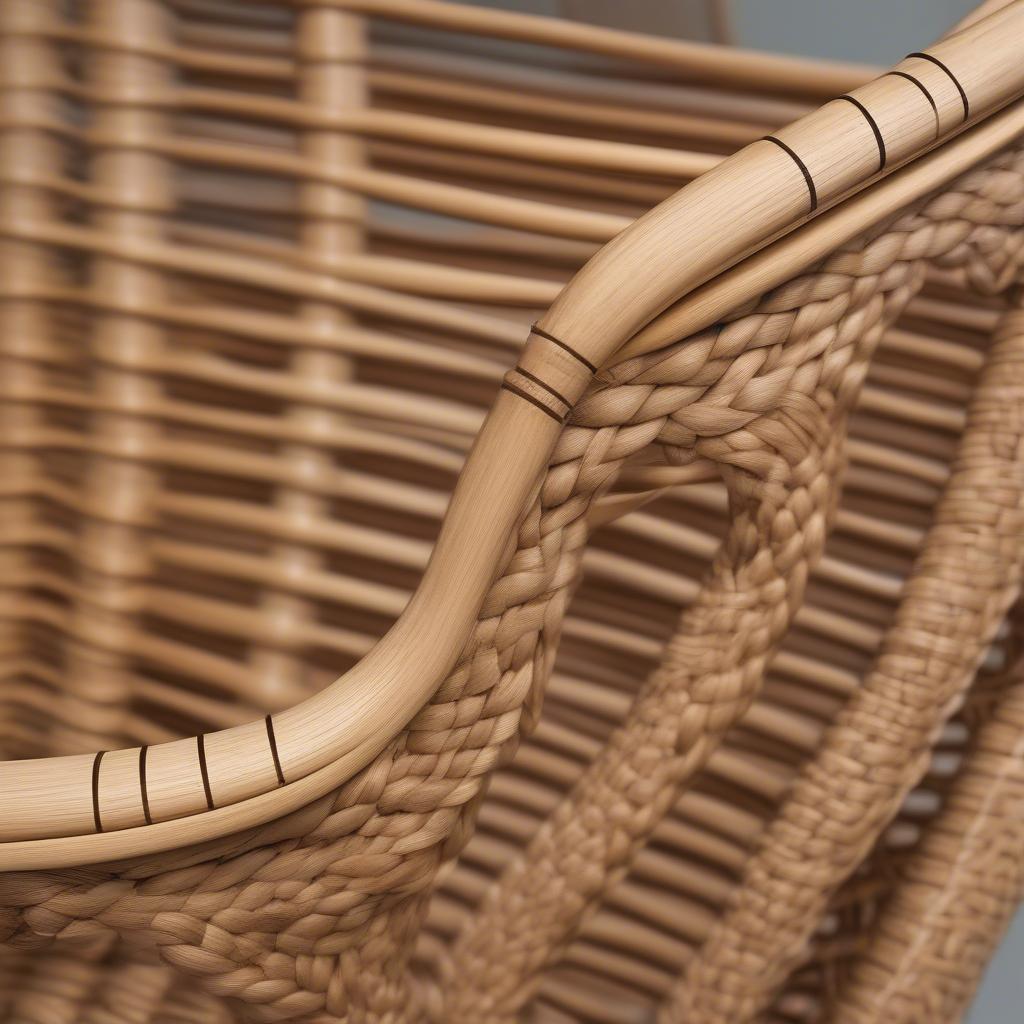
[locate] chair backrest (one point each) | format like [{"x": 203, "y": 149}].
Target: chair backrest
[{"x": 728, "y": 333}]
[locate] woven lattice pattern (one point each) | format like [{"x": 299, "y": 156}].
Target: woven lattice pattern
[{"x": 736, "y": 730}]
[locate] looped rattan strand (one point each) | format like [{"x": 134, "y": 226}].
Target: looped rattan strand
[
  {"x": 965, "y": 579},
  {"x": 924, "y": 953},
  {"x": 244, "y": 397},
  {"x": 711, "y": 670},
  {"x": 581, "y": 851}
]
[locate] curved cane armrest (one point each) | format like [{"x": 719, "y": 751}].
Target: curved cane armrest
[{"x": 111, "y": 805}]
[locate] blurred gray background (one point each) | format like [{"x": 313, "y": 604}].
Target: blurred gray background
[{"x": 866, "y": 31}]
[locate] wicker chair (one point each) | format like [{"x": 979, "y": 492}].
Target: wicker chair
[{"x": 757, "y": 477}]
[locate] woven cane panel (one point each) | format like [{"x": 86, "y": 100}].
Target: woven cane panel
[{"x": 251, "y": 320}]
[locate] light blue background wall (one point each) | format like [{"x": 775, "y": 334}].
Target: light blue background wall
[{"x": 875, "y": 31}]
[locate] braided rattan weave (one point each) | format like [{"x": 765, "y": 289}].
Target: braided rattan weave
[{"x": 280, "y": 605}]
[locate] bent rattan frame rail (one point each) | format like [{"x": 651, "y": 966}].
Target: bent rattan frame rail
[{"x": 668, "y": 335}]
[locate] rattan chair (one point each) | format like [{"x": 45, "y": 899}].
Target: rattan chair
[{"x": 745, "y": 514}]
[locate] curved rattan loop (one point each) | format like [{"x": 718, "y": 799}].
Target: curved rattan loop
[
  {"x": 970, "y": 855},
  {"x": 967, "y": 576},
  {"x": 268, "y": 767}
]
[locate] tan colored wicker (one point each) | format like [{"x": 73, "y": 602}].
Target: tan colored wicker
[{"x": 700, "y": 699}]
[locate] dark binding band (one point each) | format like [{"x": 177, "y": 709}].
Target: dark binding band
[
  {"x": 201, "y": 748},
  {"x": 873, "y": 124},
  {"x": 526, "y": 396},
  {"x": 273, "y": 750},
  {"x": 959, "y": 88},
  {"x": 803, "y": 169},
  {"x": 547, "y": 387},
  {"x": 927, "y": 95},
  {"x": 142, "y": 785},
  {"x": 96, "y": 790},
  {"x": 540, "y": 332}
]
